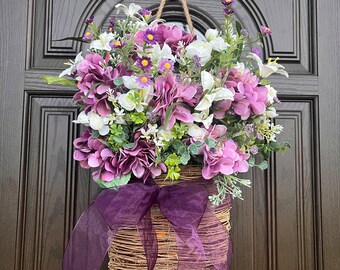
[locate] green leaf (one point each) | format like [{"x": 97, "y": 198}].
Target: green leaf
[
  {"x": 128, "y": 145},
  {"x": 264, "y": 82},
  {"x": 251, "y": 162},
  {"x": 118, "y": 81},
  {"x": 238, "y": 27},
  {"x": 176, "y": 144},
  {"x": 185, "y": 158},
  {"x": 95, "y": 134},
  {"x": 57, "y": 80},
  {"x": 182, "y": 150},
  {"x": 210, "y": 142},
  {"x": 263, "y": 165},
  {"x": 193, "y": 149},
  {"x": 79, "y": 39},
  {"x": 116, "y": 182}
]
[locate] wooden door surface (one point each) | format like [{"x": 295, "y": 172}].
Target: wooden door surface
[{"x": 290, "y": 218}]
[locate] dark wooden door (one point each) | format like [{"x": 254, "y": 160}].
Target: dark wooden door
[{"x": 290, "y": 218}]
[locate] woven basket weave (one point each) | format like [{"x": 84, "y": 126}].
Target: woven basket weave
[{"x": 127, "y": 251}]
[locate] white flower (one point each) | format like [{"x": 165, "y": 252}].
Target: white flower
[
  {"x": 130, "y": 82},
  {"x": 158, "y": 54},
  {"x": 212, "y": 94},
  {"x": 240, "y": 67},
  {"x": 125, "y": 101},
  {"x": 119, "y": 116},
  {"x": 196, "y": 132},
  {"x": 103, "y": 43},
  {"x": 72, "y": 64},
  {"x": 205, "y": 102},
  {"x": 222, "y": 93},
  {"x": 217, "y": 43},
  {"x": 271, "y": 112},
  {"x": 98, "y": 123},
  {"x": 129, "y": 11},
  {"x": 268, "y": 69},
  {"x": 82, "y": 119},
  {"x": 271, "y": 94},
  {"x": 201, "y": 49},
  {"x": 203, "y": 117},
  {"x": 211, "y": 34},
  {"x": 208, "y": 80}
]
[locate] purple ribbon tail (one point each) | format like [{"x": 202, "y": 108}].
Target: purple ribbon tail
[
  {"x": 88, "y": 244},
  {"x": 184, "y": 206},
  {"x": 149, "y": 240},
  {"x": 110, "y": 210},
  {"x": 216, "y": 240}
]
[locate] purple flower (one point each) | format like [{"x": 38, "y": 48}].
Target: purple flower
[
  {"x": 93, "y": 71},
  {"x": 244, "y": 32},
  {"x": 197, "y": 61},
  {"x": 228, "y": 2},
  {"x": 150, "y": 36},
  {"x": 259, "y": 136},
  {"x": 166, "y": 65},
  {"x": 89, "y": 20},
  {"x": 117, "y": 44},
  {"x": 257, "y": 51},
  {"x": 111, "y": 25},
  {"x": 249, "y": 128},
  {"x": 144, "y": 63},
  {"x": 228, "y": 11},
  {"x": 145, "y": 13},
  {"x": 254, "y": 150},
  {"x": 167, "y": 92},
  {"x": 144, "y": 80},
  {"x": 265, "y": 30},
  {"x": 87, "y": 36}
]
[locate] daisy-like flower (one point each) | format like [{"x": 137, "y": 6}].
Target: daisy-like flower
[
  {"x": 144, "y": 80},
  {"x": 145, "y": 13},
  {"x": 144, "y": 63},
  {"x": 228, "y": 2},
  {"x": 166, "y": 65},
  {"x": 265, "y": 30},
  {"x": 117, "y": 44},
  {"x": 87, "y": 36},
  {"x": 150, "y": 36}
]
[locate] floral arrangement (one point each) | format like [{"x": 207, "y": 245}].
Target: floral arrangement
[{"x": 154, "y": 98}]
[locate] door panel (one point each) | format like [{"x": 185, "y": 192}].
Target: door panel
[{"x": 279, "y": 224}]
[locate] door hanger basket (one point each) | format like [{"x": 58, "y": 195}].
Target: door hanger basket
[{"x": 170, "y": 122}]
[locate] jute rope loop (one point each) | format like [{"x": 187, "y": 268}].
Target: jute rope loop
[{"x": 186, "y": 12}]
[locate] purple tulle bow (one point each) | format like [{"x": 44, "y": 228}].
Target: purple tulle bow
[{"x": 183, "y": 205}]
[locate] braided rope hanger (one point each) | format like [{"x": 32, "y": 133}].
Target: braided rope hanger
[{"x": 186, "y": 12}]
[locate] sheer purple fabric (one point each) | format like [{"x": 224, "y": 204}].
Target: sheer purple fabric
[{"x": 183, "y": 205}]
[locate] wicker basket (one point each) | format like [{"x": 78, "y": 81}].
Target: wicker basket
[{"x": 127, "y": 251}]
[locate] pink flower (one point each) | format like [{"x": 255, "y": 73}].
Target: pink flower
[
  {"x": 93, "y": 71},
  {"x": 167, "y": 92},
  {"x": 225, "y": 159},
  {"x": 249, "y": 99}
]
